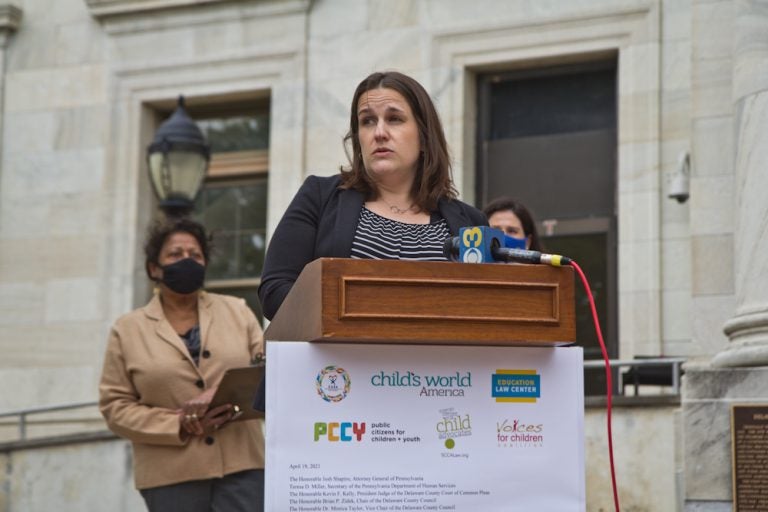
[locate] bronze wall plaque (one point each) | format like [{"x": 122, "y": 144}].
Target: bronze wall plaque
[{"x": 749, "y": 445}]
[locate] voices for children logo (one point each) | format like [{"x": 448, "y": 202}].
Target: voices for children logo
[
  {"x": 333, "y": 383},
  {"x": 516, "y": 386},
  {"x": 517, "y": 433}
]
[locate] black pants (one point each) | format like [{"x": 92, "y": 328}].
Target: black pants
[{"x": 237, "y": 492}]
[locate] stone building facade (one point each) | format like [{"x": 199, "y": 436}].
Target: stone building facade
[{"x": 83, "y": 84}]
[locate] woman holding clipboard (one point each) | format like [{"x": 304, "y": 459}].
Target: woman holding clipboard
[{"x": 162, "y": 366}]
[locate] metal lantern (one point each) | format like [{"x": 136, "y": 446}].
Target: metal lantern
[{"x": 178, "y": 160}]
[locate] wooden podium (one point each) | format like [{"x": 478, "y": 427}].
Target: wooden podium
[
  {"x": 435, "y": 386},
  {"x": 346, "y": 300}
]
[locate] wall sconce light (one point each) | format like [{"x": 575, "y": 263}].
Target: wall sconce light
[
  {"x": 679, "y": 187},
  {"x": 178, "y": 160}
]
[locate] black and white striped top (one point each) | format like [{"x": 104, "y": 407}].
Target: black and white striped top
[{"x": 380, "y": 238}]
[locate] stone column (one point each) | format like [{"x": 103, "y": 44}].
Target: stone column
[
  {"x": 748, "y": 328},
  {"x": 737, "y": 373},
  {"x": 10, "y": 18}
]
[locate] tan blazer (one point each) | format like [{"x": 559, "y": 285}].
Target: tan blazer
[{"x": 148, "y": 373}]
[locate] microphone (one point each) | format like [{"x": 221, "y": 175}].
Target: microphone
[{"x": 482, "y": 244}]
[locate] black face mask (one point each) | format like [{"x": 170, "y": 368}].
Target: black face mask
[{"x": 184, "y": 276}]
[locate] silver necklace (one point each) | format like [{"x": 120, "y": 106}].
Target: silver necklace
[{"x": 399, "y": 211}]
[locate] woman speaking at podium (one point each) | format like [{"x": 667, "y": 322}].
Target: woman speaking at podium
[{"x": 396, "y": 200}]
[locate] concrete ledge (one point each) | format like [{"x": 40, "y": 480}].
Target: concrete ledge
[{"x": 106, "y": 8}]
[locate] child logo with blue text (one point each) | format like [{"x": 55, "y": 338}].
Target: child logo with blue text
[
  {"x": 516, "y": 386},
  {"x": 333, "y": 383}
]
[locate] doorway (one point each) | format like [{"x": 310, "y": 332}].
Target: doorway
[{"x": 547, "y": 137}]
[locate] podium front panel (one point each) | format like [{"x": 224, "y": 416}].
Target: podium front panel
[
  {"x": 343, "y": 300},
  {"x": 358, "y": 427}
]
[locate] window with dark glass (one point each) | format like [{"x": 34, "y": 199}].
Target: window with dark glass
[
  {"x": 233, "y": 202},
  {"x": 547, "y": 138}
]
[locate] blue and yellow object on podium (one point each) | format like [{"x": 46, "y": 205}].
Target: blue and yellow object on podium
[{"x": 476, "y": 244}]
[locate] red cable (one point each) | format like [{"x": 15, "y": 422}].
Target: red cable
[{"x": 608, "y": 380}]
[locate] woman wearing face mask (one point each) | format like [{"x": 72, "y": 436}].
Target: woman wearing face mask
[
  {"x": 515, "y": 220},
  {"x": 162, "y": 365}
]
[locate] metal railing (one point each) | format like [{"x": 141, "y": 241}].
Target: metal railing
[
  {"x": 675, "y": 364},
  {"x": 23, "y": 414}
]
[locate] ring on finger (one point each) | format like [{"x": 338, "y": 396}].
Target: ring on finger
[{"x": 193, "y": 416}]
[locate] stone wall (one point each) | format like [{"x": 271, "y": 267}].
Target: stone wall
[
  {"x": 82, "y": 82},
  {"x": 74, "y": 197}
]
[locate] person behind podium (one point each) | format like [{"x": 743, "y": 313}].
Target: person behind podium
[
  {"x": 514, "y": 219},
  {"x": 162, "y": 365},
  {"x": 396, "y": 200}
]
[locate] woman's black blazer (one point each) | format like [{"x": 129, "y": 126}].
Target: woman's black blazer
[{"x": 321, "y": 222}]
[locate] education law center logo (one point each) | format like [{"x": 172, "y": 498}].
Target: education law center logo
[
  {"x": 517, "y": 386},
  {"x": 333, "y": 383}
]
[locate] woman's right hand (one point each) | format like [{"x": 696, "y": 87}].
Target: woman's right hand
[
  {"x": 196, "y": 419},
  {"x": 211, "y": 421}
]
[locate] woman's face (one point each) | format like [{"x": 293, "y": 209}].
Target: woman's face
[
  {"x": 177, "y": 246},
  {"x": 509, "y": 223},
  {"x": 388, "y": 134}
]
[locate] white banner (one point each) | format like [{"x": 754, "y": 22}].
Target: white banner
[{"x": 358, "y": 427}]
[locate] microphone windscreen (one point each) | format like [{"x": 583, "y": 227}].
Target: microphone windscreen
[{"x": 451, "y": 248}]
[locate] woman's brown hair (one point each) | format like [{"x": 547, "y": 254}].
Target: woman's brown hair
[{"x": 433, "y": 176}]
